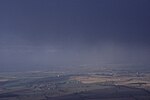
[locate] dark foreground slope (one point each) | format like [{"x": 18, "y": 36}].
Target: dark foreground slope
[
  {"x": 113, "y": 93},
  {"x": 109, "y": 93}
]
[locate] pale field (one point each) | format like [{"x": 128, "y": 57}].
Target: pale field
[{"x": 116, "y": 80}]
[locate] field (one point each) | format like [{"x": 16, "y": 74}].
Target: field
[{"x": 50, "y": 85}]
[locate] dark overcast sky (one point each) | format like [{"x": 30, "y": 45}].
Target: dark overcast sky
[{"x": 67, "y": 32}]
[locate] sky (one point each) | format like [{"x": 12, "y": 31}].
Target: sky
[{"x": 50, "y": 33}]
